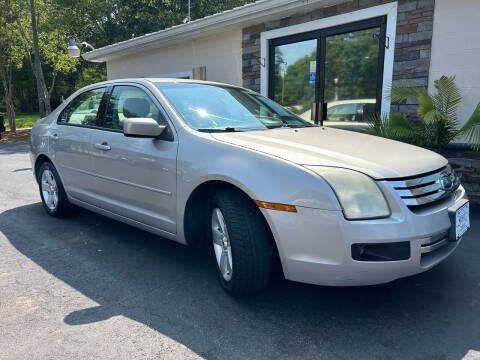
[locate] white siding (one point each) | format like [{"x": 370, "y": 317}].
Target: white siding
[
  {"x": 456, "y": 49},
  {"x": 221, "y": 54}
]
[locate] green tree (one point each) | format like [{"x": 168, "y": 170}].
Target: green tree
[
  {"x": 105, "y": 22},
  {"x": 45, "y": 42},
  {"x": 10, "y": 58},
  {"x": 98, "y": 22}
]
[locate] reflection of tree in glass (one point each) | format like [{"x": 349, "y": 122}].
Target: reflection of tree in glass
[
  {"x": 292, "y": 87},
  {"x": 279, "y": 72},
  {"x": 353, "y": 59}
]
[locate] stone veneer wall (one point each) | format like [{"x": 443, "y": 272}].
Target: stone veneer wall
[
  {"x": 412, "y": 45},
  {"x": 467, "y": 164}
]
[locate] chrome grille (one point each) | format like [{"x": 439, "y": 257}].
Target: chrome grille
[
  {"x": 434, "y": 243},
  {"x": 426, "y": 188}
]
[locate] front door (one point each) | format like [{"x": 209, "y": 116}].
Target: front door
[
  {"x": 135, "y": 177},
  {"x": 333, "y": 76}
]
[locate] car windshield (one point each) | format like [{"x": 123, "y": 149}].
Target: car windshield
[{"x": 208, "y": 107}]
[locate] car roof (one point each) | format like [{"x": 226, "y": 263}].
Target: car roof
[
  {"x": 164, "y": 80},
  {"x": 145, "y": 81}
]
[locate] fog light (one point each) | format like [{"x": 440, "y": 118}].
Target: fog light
[{"x": 381, "y": 252}]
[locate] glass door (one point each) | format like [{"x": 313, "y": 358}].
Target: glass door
[
  {"x": 333, "y": 76},
  {"x": 294, "y": 77}
]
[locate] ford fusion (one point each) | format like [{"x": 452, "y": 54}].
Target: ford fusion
[{"x": 221, "y": 167}]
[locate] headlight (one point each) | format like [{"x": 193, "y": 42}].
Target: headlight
[{"x": 359, "y": 195}]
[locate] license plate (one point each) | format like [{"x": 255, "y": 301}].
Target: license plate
[{"x": 460, "y": 221}]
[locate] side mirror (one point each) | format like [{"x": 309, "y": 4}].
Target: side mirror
[{"x": 142, "y": 127}]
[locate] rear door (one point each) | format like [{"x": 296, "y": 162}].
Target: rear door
[
  {"x": 135, "y": 177},
  {"x": 71, "y": 142}
]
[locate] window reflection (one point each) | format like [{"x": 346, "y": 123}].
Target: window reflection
[
  {"x": 294, "y": 76},
  {"x": 130, "y": 102},
  {"x": 347, "y": 90},
  {"x": 84, "y": 108},
  {"x": 351, "y": 61}
]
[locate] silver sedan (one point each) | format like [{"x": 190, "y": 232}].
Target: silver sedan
[{"x": 217, "y": 166}]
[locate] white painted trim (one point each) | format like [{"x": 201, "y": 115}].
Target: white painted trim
[
  {"x": 180, "y": 74},
  {"x": 389, "y": 9}
]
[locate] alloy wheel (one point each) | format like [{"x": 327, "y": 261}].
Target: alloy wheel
[
  {"x": 49, "y": 190},
  {"x": 221, "y": 244}
]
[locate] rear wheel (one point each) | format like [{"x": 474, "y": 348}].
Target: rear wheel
[
  {"x": 241, "y": 243},
  {"x": 54, "y": 199}
]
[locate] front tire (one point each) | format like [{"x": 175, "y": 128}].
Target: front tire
[
  {"x": 241, "y": 243},
  {"x": 52, "y": 192}
]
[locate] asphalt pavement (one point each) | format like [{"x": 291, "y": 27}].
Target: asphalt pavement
[{"x": 87, "y": 287}]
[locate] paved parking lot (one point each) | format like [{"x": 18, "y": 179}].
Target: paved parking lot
[{"x": 88, "y": 287}]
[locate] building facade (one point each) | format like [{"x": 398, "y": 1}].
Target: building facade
[
  {"x": 337, "y": 44},
  {"x": 330, "y": 61}
]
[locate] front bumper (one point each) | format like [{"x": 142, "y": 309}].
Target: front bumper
[{"x": 315, "y": 246}]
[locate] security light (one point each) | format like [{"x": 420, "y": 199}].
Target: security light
[{"x": 73, "y": 48}]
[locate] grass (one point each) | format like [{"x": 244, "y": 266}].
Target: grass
[{"x": 22, "y": 120}]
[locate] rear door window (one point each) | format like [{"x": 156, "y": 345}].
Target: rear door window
[{"x": 84, "y": 109}]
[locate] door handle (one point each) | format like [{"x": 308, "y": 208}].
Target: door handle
[
  {"x": 54, "y": 137},
  {"x": 103, "y": 146},
  {"x": 313, "y": 111}
]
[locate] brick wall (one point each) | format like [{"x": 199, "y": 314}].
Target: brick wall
[
  {"x": 412, "y": 48},
  {"x": 412, "y": 45},
  {"x": 467, "y": 164}
]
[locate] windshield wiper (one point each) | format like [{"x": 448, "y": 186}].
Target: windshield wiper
[
  {"x": 291, "y": 126},
  {"x": 231, "y": 129},
  {"x": 227, "y": 129}
]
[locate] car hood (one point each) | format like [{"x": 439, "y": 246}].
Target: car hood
[{"x": 322, "y": 146}]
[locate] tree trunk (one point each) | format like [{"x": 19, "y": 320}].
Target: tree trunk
[
  {"x": 43, "y": 106},
  {"x": 48, "y": 108},
  {"x": 11, "y": 115},
  {"x": 6, "y": 75},
  {"x": 49, "y": 93}
]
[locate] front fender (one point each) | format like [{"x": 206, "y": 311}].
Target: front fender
[{"x": 202, "y": 158}]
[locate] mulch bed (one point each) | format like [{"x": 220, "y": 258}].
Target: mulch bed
[{"x": 19, "y": 135}]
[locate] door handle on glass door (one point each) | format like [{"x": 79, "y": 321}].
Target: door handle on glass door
[
  {"x": 103, "y": 146},
  {"x": 313, "y": 111}
]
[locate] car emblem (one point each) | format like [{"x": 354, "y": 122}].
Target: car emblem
[{"x": 445, "y": 182}]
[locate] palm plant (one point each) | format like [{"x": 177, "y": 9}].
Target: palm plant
[
  {"x": 397, "y": 127},
  {"x": 471, "y": 129},
  {"x": 390, "y": 126},
  {"x": 439, "y": 114}
]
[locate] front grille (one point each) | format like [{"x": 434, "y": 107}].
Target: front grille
[
  {"x": 435, "y": 248},
  {"x": 426, "y": 188},
  {"x": 434, "y": 243}
]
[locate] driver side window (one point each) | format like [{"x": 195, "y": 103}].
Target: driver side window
[{"x": 130, "y": 102}]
